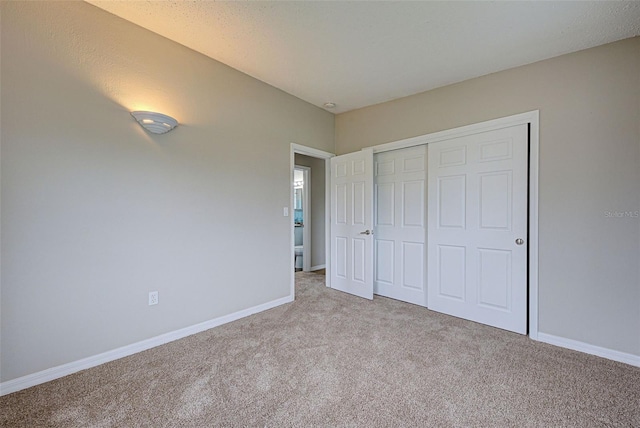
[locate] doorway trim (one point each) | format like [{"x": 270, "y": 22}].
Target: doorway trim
[
  {"x": 532, "y": 119},
  {"x": 320, "y": 154}
]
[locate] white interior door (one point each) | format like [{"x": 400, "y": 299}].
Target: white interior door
[
  {"x": 477, "y": 227},
  {"x": 400, "y": 183},
  {"x": 352, "y": 223}
]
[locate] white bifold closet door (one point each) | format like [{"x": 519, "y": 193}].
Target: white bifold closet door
[
  {"x": 400, "y": 183},
  {"x": 477, "y": 227}
]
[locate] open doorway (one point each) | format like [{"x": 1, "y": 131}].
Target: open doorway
[{"x": 310, "y": 171}]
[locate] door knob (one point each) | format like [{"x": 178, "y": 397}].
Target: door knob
[
  {"x": 519, "y": 241},
  {"x": 366, "y": 232}
]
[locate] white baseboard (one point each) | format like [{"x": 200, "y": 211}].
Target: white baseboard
[
  {"x": 587, "y": 348},
  {"x": 43, "y": 376},
  {"x": 318, "y": 267}
]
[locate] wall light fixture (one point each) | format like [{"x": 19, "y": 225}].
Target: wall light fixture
[{"x": 156, "y": 123}]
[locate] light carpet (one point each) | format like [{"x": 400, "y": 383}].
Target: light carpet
[{"x": 331, "y": 359}]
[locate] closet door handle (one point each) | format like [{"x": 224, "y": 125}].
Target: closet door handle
[{"x": 367, "y": 232}]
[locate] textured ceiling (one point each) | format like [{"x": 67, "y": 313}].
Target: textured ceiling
[{"x": 356, "y": 54}]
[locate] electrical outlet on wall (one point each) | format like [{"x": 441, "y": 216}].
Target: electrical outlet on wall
[{"x": 153, "y": 298}]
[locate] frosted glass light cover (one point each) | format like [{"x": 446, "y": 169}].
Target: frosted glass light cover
[{"x": 156, "y": 123}]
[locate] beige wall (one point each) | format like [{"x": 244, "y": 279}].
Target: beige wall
[
  {"x": 589, "y": 106},
  {"x": 317, "y": 206},
  {"x": 96, "y": 212}
]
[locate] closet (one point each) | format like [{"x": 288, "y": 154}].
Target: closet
[{"x": 442, "y": 225}]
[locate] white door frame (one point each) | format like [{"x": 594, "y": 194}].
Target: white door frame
[
  {"x": 306, "y": 217},
  {"x": 532, "y": 119},
  {"x": 314, "y": 153}
]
